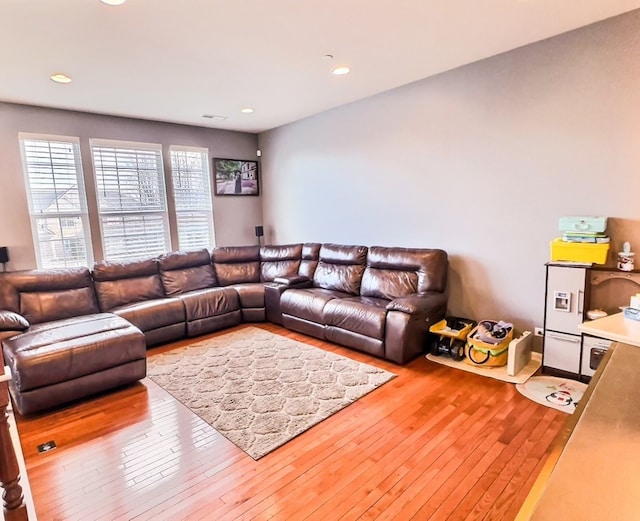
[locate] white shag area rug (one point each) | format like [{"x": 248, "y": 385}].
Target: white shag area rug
[{"x": 259, "y": 389}]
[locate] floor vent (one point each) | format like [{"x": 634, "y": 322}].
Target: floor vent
[{"x": 46, "y": 447}]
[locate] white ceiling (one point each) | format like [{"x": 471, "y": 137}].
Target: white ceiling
[{"x": 177, "y": 60}]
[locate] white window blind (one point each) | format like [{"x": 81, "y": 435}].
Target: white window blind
[
  {"x": 131, "y": 199},
  {"x": 57, "y": 200},
  {"x": 192, "y": 193}
]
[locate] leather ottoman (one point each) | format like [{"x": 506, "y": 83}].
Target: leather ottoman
[{"x": 53, "y": 363}]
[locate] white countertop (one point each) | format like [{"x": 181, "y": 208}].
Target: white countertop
[{"x": 614, "y": 327}]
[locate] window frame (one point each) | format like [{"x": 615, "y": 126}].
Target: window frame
[
  {"x": 208, "y": 182},
  {"x": 34, "y": 217},
  {"x": 157, "y": 149}
]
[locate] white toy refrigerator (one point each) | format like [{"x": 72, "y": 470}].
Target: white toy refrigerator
[{"x": 564, "y": 312}]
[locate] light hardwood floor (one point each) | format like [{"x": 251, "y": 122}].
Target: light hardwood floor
[{"x": 433, "y": 444}]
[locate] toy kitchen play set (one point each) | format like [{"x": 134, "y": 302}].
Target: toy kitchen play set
[{"x": 580, "y": 289}]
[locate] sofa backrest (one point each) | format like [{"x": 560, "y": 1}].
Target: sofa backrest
[
  {"x": 45, "y": 295},
  {"x": 121, "y": 283},
  {"x": 398, "y": 272},
  {"x": 184, "y": 271},
  {"x": 236, "y": 264},
  {"x": 310, "y": 258},
  {"x": 279, "y": 261},
  {"x": 340, "y": 268}
]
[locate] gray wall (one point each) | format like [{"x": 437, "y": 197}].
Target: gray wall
[
  {"x": 234, "y": 217},
  {"x": 480, "y": 161}
]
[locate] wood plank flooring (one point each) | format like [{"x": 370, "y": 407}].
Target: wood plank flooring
[{"x": 433, "y": 444}]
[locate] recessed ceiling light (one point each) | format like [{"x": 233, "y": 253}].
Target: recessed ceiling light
[
  {"x": 113, "y": 2},
  {"x": 247, "y": 110},
  {"x": 340, "y": 70},
  {"x": 60, "y": 78}
]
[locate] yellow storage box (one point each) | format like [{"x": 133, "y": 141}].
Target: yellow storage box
[
  {"x": 454, "y": 327},
  {"x": 579, "y": 251},
  {"x": 485, "y": 354}
]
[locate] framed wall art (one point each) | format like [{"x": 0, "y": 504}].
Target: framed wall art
[{"x": 236, "y": 177}]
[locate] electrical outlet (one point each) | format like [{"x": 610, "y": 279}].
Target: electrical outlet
[{"x": 538, "y": 331}]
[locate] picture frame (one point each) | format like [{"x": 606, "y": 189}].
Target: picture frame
[{"x": 235, "y": 177}]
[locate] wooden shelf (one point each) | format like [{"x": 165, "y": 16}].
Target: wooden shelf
[
  {"x": 612, "y": 268},
  {"x": 600, "y": 276}
]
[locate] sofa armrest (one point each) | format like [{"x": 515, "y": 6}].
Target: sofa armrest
[
  {"x": 418, "y": 303},
  {"x": 10, "y": 321},
  {"x": 408, "y": 321},
  {"x": 273, "y": 292},
  {"x": 293, "y": 281}
]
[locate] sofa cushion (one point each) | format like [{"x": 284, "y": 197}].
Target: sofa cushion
[
  {"x": 363, "y": 315},
  {"x": 251, "y": 295},
  {"x": 188, "y": 279},
  {"x": 308, "y": 303},
  {"x": 310, "y": 256},
  {"x": 10, "y": 321},
  {"x": 49, "y": 280},
  {"x": 66, "y": 349},
  {"x": 236, "y": 265},
  {"x": 279, "y": 261},
  {"x": 398, "y": 272},
  {"x": 121, "y": 283},
  {"x": 45, "y": 295},
  {"x": 9, "y": 296},
  {"x": 108, "y": 270},
  {"x": 115, "y": 293},
  {"x": 340, "y": 268},
  {"x": 388, "y": 284},
  {"x": 44, "y": 306},
  {"x": 153, "y": 314},
  {"x": 210, "y": 302},
  {"x": 183, "y": 271}
]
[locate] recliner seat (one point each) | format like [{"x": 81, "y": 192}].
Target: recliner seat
[
  {"x": 65, "y": 348},
  {"x": 377, "y": 300},
  {"x": 189, "y": 277},
  {"x": 134, "y": 291}
]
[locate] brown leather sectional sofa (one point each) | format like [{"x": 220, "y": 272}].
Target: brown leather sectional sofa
[{"x": 70, "y": 333}]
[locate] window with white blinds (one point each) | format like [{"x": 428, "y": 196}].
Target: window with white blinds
[
  {"x": 132, "y": 201},
  {"x": 57, "y": 200},
  {"x": 192, "y": 194}
]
